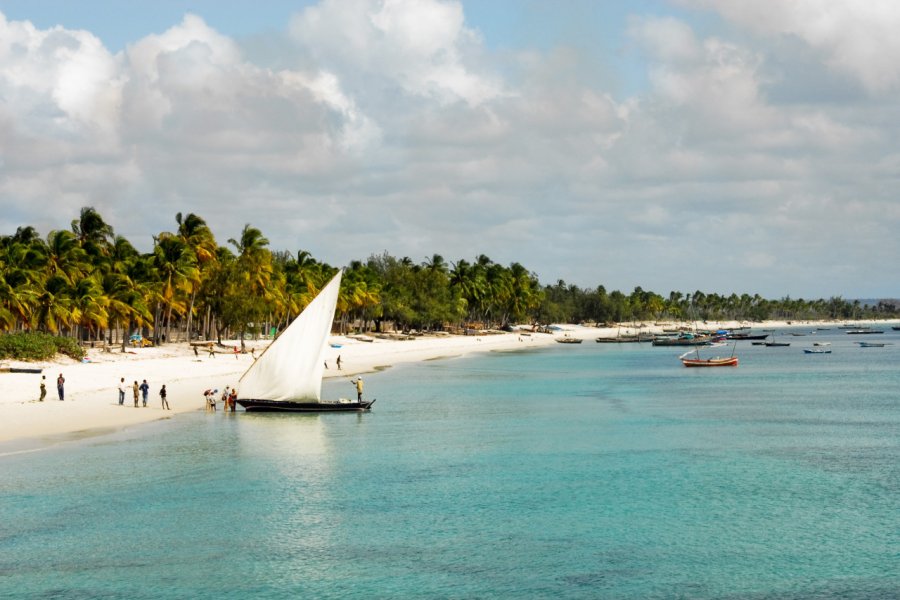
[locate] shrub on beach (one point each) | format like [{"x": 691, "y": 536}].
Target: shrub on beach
[{"x": 37, "y": 346}]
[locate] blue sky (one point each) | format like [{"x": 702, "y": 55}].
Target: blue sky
[{"x": 716, "y": 145}]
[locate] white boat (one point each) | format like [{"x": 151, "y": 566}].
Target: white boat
[{"x": 287, "y": 376}]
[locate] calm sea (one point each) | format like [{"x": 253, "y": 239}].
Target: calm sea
[{"x": 591, "y": 471}]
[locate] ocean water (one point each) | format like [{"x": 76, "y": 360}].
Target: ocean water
[{"x": 591, "y": 471}]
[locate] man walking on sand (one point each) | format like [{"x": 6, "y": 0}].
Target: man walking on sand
[
  {"x": 145, "y": 389},
  {"x": 43, "y": 388},
  {"x": 162, "y": 397},
  {"x": 60, "y": 389},
  {"x": 122, "y": 391}
]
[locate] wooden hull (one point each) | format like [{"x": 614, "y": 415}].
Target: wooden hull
[
  {"x": 710, "y": 362},
  {"x": 682, "y": 342},
  {"x": 305, "y": 407}
]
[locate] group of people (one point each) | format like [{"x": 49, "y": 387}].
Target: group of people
[
  {"x": 138, "y": 390},
  {"x": 60, "y": 387},
  {"x": 142, "y": 390},
  {"x": 229, "y": 399}
]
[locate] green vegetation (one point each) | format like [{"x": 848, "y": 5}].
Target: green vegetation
[
  {"x": 37, "y": 346},
  {"x": 88, "y": 284}
]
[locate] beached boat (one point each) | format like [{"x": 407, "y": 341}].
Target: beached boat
[
  {"x": 627, "y": 338},
  {"x": 568, "y": 340},
  {"x": 728, "y": 361},
  {"x": 287, "y": 376}
]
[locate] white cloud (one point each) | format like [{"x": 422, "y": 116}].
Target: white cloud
[
  {"x": 390, "y": 125},
  {"x": 858, "y": 38},
  {"x": 422, "y": 46}
]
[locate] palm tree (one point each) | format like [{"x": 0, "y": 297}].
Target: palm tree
[
  {"x": 254, "y": 272},
  {"x": 89, "y": 305},
  {"x": 53, "y": 308},
  {"x": 64, "y": 257},
  {"x": 198, "y": 237},
  {"x": 177, "y": 270},
  {"x": 92, "y": 232}
]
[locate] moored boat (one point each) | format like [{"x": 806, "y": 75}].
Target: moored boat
[
  {"x": 717, "y": 361},
  {"x": 685, "y": 339},
  {"x": 710, "y": 362}
]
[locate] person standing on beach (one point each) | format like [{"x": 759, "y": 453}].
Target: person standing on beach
[
  {"x": 122, "y": 391},
  {"x": 43, "y": 388},
  {"x": 60, "y": 389},
  {"x": 145, "y": 389},
  {"x": 162, "y": 398},
  {"x": 359, "y": 388},
  {"x": 339, "y": 362},
  {"x": 212, "y": 354},
  {"x": 136, "y": 389}
]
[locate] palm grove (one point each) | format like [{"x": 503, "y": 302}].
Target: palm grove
[{"x": 90, "y": 284}]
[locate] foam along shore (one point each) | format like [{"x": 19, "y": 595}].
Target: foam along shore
[{"x": 91, "y": 387}]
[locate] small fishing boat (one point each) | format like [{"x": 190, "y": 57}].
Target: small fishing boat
[
  {"x": 568, "y": 340},
  {"x": 821, "y": 343},
  {"x": 865, "y": 331},
  {"x": 685, "y": 339},
  {"x": 870, "y": 344},
  {"x": 773, "y": 343},
  {"x": 747, "y": 336},
  {"x": 817, "y": 351},
  {"x": 717, "y": 361}
]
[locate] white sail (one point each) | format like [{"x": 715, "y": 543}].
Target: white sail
[{"x": 291, "y": 367}]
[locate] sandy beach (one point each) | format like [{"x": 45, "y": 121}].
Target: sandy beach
[{"x": 91, "y": 387}]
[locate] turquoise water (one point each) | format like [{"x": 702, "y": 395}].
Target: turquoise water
[{"x": 591, "y": 471}]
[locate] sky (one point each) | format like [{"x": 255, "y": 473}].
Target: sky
[{"x": 714, "y": 145}]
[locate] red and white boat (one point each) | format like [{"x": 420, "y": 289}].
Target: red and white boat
[{"x": 730, "y": 361}]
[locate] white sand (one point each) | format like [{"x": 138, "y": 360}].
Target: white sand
[{"x": 91, "y": 388}]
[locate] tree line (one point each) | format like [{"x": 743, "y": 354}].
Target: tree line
[{"x": 90, "y": 284}]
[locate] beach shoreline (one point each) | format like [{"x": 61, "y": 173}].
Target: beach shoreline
[{"x": 91, "y": 405}]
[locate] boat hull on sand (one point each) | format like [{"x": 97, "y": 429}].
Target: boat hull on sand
[{"x": 283, "y": 406}]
